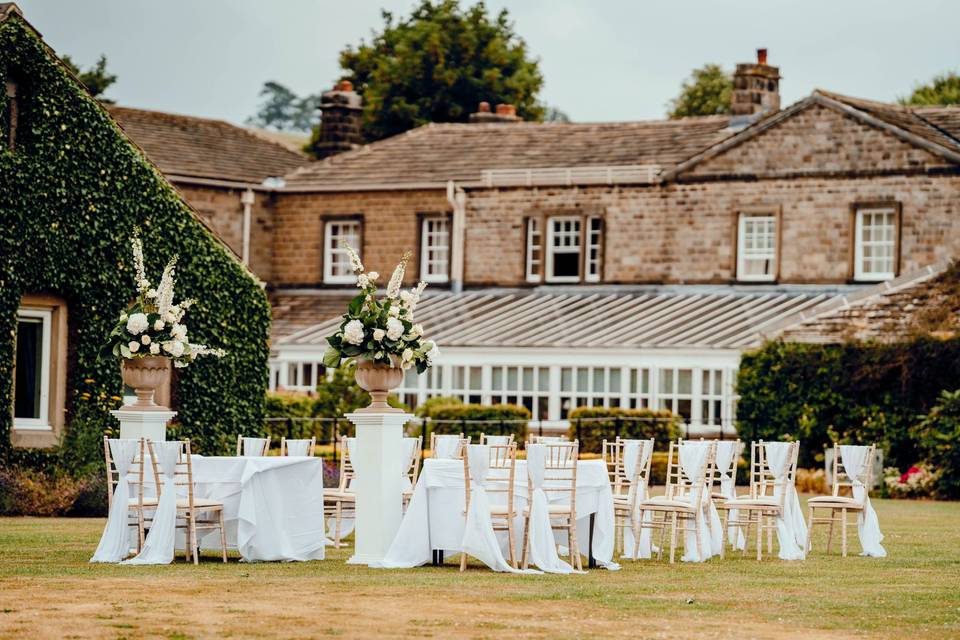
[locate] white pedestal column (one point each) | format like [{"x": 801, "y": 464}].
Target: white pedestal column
[
  {"x": 151, "y": 425},
  {"x": 378, "y": 465}
]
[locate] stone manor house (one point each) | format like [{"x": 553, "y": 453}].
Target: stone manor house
[{"x": 607, "y": 264}]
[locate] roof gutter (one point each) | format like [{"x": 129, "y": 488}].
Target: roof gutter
[
  {"x": 457, "y": 198},
  {"x": 227, "y": 184}
]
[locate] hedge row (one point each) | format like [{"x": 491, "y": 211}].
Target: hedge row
[
  {"x": 451, "y": 415},
  {"x": 593, "y": 425}
]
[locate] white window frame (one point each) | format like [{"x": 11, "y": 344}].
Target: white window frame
[
  {"x": 858, "y": 271},
  {"x": 426, "y": 237},
  {"x": 742, "y": 256},
  {"x": 329, "y": 250},
  {"x": 534, "y": 267},
  {"x": 43, "y": 422},
  {"x": 551, "y": 250},
  {"x": 594, "y": 240}
]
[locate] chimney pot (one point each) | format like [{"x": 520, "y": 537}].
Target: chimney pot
[
  {"x": 761, "y": 56},
  {"x": 506, "y": 110},
  {"x": 344, "y": 85},
  {"x": 483, "y": 107},
  {"x": 340, "y": 121}
]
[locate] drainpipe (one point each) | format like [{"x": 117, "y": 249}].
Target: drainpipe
[
  {"x": 247, "y": 199},
  {"x": 457, "y": 198}
]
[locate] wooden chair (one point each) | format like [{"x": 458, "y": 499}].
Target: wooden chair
[
  {"x": 766, "y": 500},
  {"x": 547, "y": 439},
  {"x": 285, "y": 447},
  {"x": 500, "y": 482},
  {"x": 835, "y": 502},
  {"x": 190, "y": 509},
  {"x": 497, "y": 440},
  {"x": 135, "y": 478},
  {"x": 240, "y": 448},
  {"x": 681, "y": 503},
  {"x": 730, "y": 472},
  {"x": 435, "y": 437},
  {"x": 559, "y": 480},
  {"x": 612, "y": 455},
  {"x": 342, "y": 500},
  {"x": 630, "y": 489},
  {"x": 412, "y": 469}
]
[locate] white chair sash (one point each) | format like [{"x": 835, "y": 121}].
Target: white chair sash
[
  {"x": 868, "y": 525},
  {"x": 791, "y": 527},
  {"x": 407, "y": 451},
  {"x": 636, "y": 453},
  {"x": 298, "y": 447},
  {"x": 693, "y": 459},
  {"x": 445, "y": 446},
  {"x": 479, "y": 538},
  {"x": 543, "y": 546},
  {"x": 159, "y": 546},
  {"x": 253, "y": 447},
  {"x": 115, "y": 542},
  {"x": 727, "y": 469},
  {"x": 500, "y": 441}
]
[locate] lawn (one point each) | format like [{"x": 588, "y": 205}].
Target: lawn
[{"x": 48, "y": 590}]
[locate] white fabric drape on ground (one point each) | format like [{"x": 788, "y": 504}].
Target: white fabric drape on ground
[
  {"x": 727, "y": 468},
  {"x": 253, "y": 446},
  {"x": 159, "y": 546},
  {"x": 543, "y": 546},
  {"x": 500, "y": 441},
  {"x": 115, "y": 541},
  {"x": 636, "y": 453},
  {"x": 693, "y": 459},
  {"x": 791, "y": 527},
  {"x": 298, "y": 447},
  {"x": 868, "y": 526},
  {"x": 445, "y": 446}
]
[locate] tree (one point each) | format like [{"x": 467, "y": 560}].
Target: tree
[
  {"x": 438, "y": 65},
  {"x": 943, "y": 89},
  {"x": 705, "y": 93},
  {"x": 283, "y": 110},
  {"x": 95, "y": 79}
]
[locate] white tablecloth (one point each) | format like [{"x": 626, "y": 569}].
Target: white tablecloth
[
  {"x": 272, "y": 506},
  {"x": 435, "y": 521}
]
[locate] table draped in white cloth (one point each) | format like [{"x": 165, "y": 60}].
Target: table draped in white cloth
[
  {"x": 435, "y": 520},
  {"x": 693, "y": 458},
  {"x": 253, "y": 446},
  {"x": 115, "y": 541},
  {"x": 868, "y": 526},
  {"x": 727, "y": 470},
  {"x": 791, "y": 527},
  {"x": 159, "y": 545},
  {"x": 631, "y": 462}
]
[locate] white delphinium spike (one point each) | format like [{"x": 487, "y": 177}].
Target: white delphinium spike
[
  {"x": 165, "y": 289},
  {"x": 143, "y": 285},
  {"x": 417, "y": 293},
  {"x": 355, "y": 263},
  {"x": 393, "y": 287}
]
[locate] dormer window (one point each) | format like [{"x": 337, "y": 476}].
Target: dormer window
[{"x": 568, "y": 249}]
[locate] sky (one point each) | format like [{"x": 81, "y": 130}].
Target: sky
[{"x": 602, "y": 60}]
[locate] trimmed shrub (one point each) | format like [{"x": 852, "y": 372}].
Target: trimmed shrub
[
  {"x": 38, "y": 493},
  {"x": 593, "y": 425},
  {"x": 938, "y": 436},
  {"x": 474, "y": 419}
]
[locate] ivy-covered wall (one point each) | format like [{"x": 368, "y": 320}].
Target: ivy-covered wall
[{"x": 70, "y": 194}]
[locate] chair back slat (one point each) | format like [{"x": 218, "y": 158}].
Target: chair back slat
[{"x": 844, "y": 480}]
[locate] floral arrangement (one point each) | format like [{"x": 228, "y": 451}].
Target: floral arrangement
[
  {"x": 917, "y": 482},
  {"x": 153, "y": 324},
  {"x": 382, "y": 330}
]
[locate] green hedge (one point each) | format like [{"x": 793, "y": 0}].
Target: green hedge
[
  {"x": 856, "y": 392},
  {"x": 452, "y": 416},
  {"x": 938, "y": 436},
  {"x": 70, "y": 194},
  {"x": 592, "y": 425}
]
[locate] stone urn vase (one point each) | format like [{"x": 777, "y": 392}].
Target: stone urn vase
[
  {"x": 145, "y": 375},
  {"x": 378, "y": 380}
]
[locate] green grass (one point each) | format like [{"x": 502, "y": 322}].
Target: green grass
[{"x": 45, "y": 578}]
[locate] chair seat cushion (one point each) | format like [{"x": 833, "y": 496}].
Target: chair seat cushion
[
  {"x": 746, "y": 503},
  {"x": 554, "y": 509},
  {"x": 342, "y": 496},
  {"x": 840, "y": 502},
  {"x": 147, "y": 502},
  {"x": 199, "y": 503},
  {"x": 662, "y": 502}
]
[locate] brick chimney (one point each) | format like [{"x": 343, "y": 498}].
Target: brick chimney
[
  {"x": 756, "y": 88},
  {"x": 504, "y": 113},
  {"x": 341, "y": 111}
]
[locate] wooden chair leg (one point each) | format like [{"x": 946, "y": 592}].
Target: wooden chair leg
[
  {"x": 223, "y": 536},
  {"x": 663, "y": 533},
  {"x": 511, "y": 542},
  {"x": 637, "y": 528},
  {"x": 843, "y": 531},
  {"x": 699, "y": 536},
  {"x": 525, "y": 552},
  {"x": 833, "y": 515},
  {"x": 810, "y": 529},
  {"x": 463, "y": 561},
  {"x": 746, "y": 533},
  {"x": 336, "y": 531},
  {"x": 770, "y": 525},
  {"x": 759, "y": 536},
  {"x": 726, "y": 527},
  {"x": 575, "y": 544},
  {"x": 673, "y": 536},
  {"x": 193, "y": 539}
]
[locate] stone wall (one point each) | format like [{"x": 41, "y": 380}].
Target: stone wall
[{"x": 390, "y": 227}]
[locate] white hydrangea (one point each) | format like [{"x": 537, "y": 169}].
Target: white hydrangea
[
  {"x": 155, "y": 348},
  {"x": 137, "y": 323},
  {"x": 394, "y": 328},
  {"x": 353, "y": 332},
  {"x": 133, "y": 346},
  {"x": 174, "y": 348},
  {"x": 378, "y": 334}
]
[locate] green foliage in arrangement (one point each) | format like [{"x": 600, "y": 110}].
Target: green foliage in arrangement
[
  {"x": 593, "y": 425},
  {"x": 70, "y": 192},
  {"x": 450, "y": 415},
  {"x": 938, "y": 436},
  {"x": 849, "y": 393}
]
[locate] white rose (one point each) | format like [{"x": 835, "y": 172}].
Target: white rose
[
  {"x": 158, "y": 325},
  {"x": 353, "y": 332},
  {"x": 133, "y": 346},
  {"x": 373, "y": 275},
  {"x": 394, "y": 312},
  {"x": 137, "y": 323},
  {"x": 394, "y": 328},
  {"x": 417, "y": 330},
  {"x": 152, "y": 293},
  {"x": 378, "y": 334},
  {"x": 145, "y": 339},
  {"x": 177, "y": 349},
  {"x": 407, "y": 355},
  {"x": 178, "y": 331},
  {"x": 155, "y": 348}
]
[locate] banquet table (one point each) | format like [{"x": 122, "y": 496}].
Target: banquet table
[
  {"x": 272, "y": 506},
  {"x": 434, "y": 522}
]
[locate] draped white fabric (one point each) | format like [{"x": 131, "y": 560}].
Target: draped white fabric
[
  {"x": 693, "y": 459},
  {"x": 298, "y": 447},
  {"x": 500, "y": 441},
  {"x": 727, "y": 469},
  {"x": 445, "y": 446},
  {"x": 543, "y": 547},
  {"x": 159, "y": 546},
  {"x": 636, "y": 453},
  {"x": 115, "y": 541},
  {"x": 791, "y": 527},
  {"x": 254, "y": 446},
  {"x": 868, "y": 526}
]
